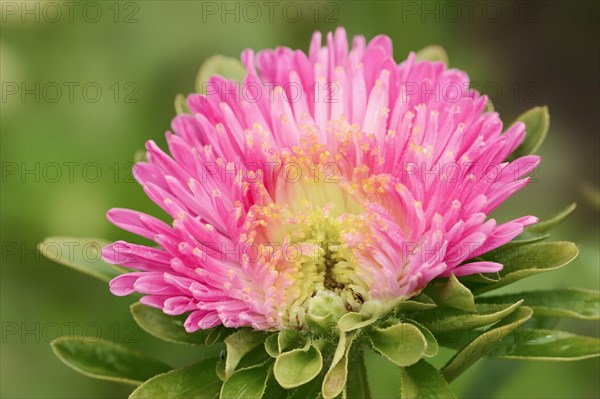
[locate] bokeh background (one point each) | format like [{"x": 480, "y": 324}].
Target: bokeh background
[{"x": 67, "y": 159}]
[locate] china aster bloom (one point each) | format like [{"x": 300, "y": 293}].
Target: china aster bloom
[{"x": 337, "y": 173}]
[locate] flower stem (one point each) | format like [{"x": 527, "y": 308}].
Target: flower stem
[{"x": 357, "y": 385}]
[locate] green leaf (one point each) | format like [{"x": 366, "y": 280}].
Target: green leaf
[
  {"x": 432, "y": 344},
  {"x": 546, "y": 225},
  {"x": 238, "y": 345},
  {"x": 297, "y": 367},
  {"x": 249, "y": 383},
  {"x": 483, "y": 343},
  {"x": 527, "y": 260},
  {"x": 403, "y": 343},
  {"x": 227, "y": 67},
  {"x": 166, "y": 327},
  {"x": 578, "y": 303},
  {"x": 537, "y": 122},
  {"x": 451, "y": 293},
  {"x": 443, "y": 320},
  {"x": 423, "y": 381},
  {"x": 196, "y": 382},
  {"x": 432, "y": 53},
  {"x": 336, "y": 377},
  {"x": 106, "y": 360},
  {"x": 81, "y": 254},
  {"x": 546, "y": 345}
]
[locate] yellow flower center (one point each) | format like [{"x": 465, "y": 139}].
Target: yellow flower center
[{"x": 314, "y": 209}]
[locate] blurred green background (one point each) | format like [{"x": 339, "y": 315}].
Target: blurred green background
[{"x": 66, "y": 159}]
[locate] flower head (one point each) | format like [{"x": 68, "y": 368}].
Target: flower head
[{"x": 335, "y": 174}]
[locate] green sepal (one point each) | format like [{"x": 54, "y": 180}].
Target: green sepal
[
  {"x": 537, "y": 123},
  {"x": 552, "y": 345},
  {"x": 423, "y": 381},
  {"x": 432, "y": 53},
  {"x": 451, "y": 294},
  {"x": 81, "y": 254},
  {"x": 238, "y": 345},
  {"x": 197, "y": 381},
  {"x": 165, "y": 327},
  {"x": 577, "y": 303},
  {"x": 106, "y": 360},
  {"x": 402, "y": 343},
  {"x": 483, "y": 343},
  {"x": 297, "y": 367},
  {"x": 527, "y": 260},
  {"x": 227, "y": 67}
]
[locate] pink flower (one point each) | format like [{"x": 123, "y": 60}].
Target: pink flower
[{"x": 335, "y": 173}]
